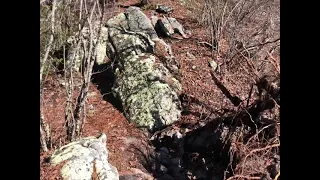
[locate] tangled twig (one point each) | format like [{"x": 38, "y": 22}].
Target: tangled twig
[
  {"x": 243, "y": 177},
  {"x": 265, "y": 127},
  {"x": 273, "y": 62},
  {"x": 257, "y": 150}
]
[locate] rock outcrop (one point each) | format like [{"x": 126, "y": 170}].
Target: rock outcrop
[
  {"x": 80, "y": 159},
  {"x": 144, "y": 86}
]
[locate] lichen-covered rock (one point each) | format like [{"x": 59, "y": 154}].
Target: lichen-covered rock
[
  {"x": 147, "y": 97},
  {"x": 119, "y": 20},
  {"x": 82, "y": 157},
  {"x": 139, "y": 22}
]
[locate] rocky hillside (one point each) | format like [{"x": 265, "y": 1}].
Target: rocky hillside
[{"x": 161, "y": 90}]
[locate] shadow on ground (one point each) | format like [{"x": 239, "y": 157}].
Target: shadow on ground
[
  {"x": 103, "y": 77},
  {"x": 204, "y": 151}
]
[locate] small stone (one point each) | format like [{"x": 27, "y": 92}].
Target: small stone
[
  {"x": 163, "y": 9},
  {"x": 103, "y": 102},
  {"x": 163, "y": 168},
  {"x": 193, "y": 67},
  {"x": 62, "y": 83},
  {"x": 79, "y": 156},
  {"x": 188, "y": 32},
  {"x": 190, "y": 56},
  {"x": 177, "y": 27},
  {"x": 213, "y": 65},
  {"x": 177, "y": 135},
  {"x": 91, "y": 94}
]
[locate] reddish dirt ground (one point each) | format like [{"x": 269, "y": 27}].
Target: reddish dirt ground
[{"x": 197, "y": 85}]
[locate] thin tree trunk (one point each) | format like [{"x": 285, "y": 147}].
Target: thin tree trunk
[
  {"x": 45, "y": 135},
  {"x": 43, "y": 140},
  {"x": 88, "y": 65}
]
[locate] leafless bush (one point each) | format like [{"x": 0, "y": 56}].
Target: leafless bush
[
  {"x": 238, "y": 28},
  {"x": 58, "y": 21},
  {"x": 245, "y": 36}
]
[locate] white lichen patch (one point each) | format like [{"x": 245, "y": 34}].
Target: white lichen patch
[{"x": 80, "y": 157}]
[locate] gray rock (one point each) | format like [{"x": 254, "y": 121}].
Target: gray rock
[
  {"x": 177, "y": 27},
  {"x": 163, "y": 9},
  {"x": 80, "y": 158},
  {"x": 139, "y": 22},
  {"x": 148, "y": 100},
  {"x": 190, "y": 56},
  {"x": 119, "y": 20},
  {"x": 213, "y": 65},
  {"x": 169, "y": 26},
  {"x": 165, "y": 26},
  {"x": 163, "y": 169}
]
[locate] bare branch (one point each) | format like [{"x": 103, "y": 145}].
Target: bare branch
[
  {"x": 50, "y": 41},
  {"x": 242, "y": 177},
  {"x": 257, "y": 150}
]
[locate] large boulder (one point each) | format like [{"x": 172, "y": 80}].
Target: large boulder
[
  {"x": 142, "y": 84},
  {"x": 80, "y": 159}
]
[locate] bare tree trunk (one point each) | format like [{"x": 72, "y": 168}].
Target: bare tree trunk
[
  {"x": 43, "y": 140},
  {"x": 70, "y": 123},
  {"x": 75, "y": 119},
  {"x": 45, "y": 135},
  {"x": 69, "y": 115},
  {"x": 80, "y": 111}
]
